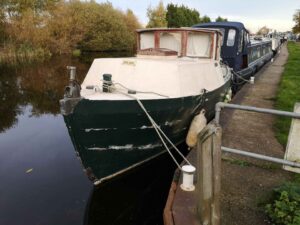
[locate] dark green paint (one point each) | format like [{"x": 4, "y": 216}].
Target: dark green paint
[{"x": 119, "y": 123}]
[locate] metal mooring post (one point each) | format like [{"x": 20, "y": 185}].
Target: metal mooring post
[{"x": 209, "y": 174}]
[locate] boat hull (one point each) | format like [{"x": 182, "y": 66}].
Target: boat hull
[{"x": 114, "y": 136}]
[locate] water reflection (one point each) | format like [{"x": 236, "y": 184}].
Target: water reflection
[
  {"x": 40, "y": 86},
  {"x": 9, "y": 100},
  {"x": 42, "y": 180}
]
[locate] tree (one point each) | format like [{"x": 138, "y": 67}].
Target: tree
[
  {"x": 26, "y": 22},
  {"x": 263, "y": 31},
  {"x": 60, "y": 26},
  {"x": 157, "y": 16},
  {"x": 181, "y": 16},
  {"x": 2, "y": 25},
  {"x": 16, "y": 8},
  {"x": 108, "y": 30},
  {"x": 296, "y": 18},
  {"x": 131, "y": 21},
  {"x": 220, "y": 19},
  {"x": 132, "y": 24},
  {"x": 205, "y": 19}
]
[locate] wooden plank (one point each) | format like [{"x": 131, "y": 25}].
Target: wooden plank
[
  {"x": 205, "y": 180},
  {"x": 184, "y": 207},
  {"x": 168, "y": 217},
  {"x": 217, "y": 158}
]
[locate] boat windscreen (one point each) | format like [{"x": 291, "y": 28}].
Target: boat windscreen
[
  {"x": 199, "y": 44},
  {"x": 171, "y": 40},
  {"x": 147, "y": 40}
]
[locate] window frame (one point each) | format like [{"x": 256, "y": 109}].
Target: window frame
[
  {"x": 184, "y": 39},
  {"x": 231, "y": 39}
]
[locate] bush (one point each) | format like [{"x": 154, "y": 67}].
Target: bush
[{"x": 285, "y": 208}]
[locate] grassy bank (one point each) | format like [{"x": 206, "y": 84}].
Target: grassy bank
[
  {"x": 284, "y": 207},
  {"x": 288, "y": 92}
]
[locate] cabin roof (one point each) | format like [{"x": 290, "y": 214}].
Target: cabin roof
[
  {"x": 210, "y": 30},
  {"x": 236, "y": 25},
  {"x": 259, "y": 42}
]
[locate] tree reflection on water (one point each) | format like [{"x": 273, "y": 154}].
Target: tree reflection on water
[{"x": 40, "y": 86}]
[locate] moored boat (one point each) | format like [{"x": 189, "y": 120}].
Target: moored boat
[
  {"x": 243, "y": 55},
  {"x": 175, "y": 74}
]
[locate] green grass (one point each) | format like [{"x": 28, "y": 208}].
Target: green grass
[
  {"x": 244, "y": 163},
  {"x": 284, "y": 207},
  {"x": 238, "y": 162},
  {"x": 289, "y": 91}
]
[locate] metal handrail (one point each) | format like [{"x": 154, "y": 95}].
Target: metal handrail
[
  {"x": 221, "y": 105},
  {"x": 260, "y": 156}
]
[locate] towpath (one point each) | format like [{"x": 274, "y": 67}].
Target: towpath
[{"x": 248, "y": 183}]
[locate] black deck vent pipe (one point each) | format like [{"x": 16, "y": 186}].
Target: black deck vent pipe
[{"x": 106, "y": 82}]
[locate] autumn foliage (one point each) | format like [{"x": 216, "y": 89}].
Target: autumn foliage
[{"x": 59, "y": 27}]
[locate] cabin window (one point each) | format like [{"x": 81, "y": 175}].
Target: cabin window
[
  {"x": 258, "y": 52},
  {"x": 198, "y": 44},
  {"x": 254, "y": 54},
  {"x": 246, "y": 39},
  {"x": 250, "y": 55},
  {"x": 147, "y": 40},
  {"x": 171, "y": 41},
  {"x": 266, "y": 49},
  {"x": 231, "y": 37},
  {"x": 240, "y": 49}
]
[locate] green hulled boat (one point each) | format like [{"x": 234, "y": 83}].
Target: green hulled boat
[{"x": 176, "y": 74}]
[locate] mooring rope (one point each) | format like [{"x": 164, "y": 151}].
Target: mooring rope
[
  {"x": 157, "y": 128},
  {"x": 239, "y": 76},
  {"x": 235, "y": 73}
]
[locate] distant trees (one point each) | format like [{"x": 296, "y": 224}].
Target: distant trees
[
  {"x": 296, "y": 18},
  {"x": 59, "y": 26},
  {"x": 205, "y": 19},
  {"x": 181, "y": 16},
  {"x": 263, "y": 31},
  {"x": 157, "y": 16},
  {"x": 220, "y": 19},
  {"x": 176, "y": 16}
]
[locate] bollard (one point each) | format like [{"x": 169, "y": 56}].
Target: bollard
[{"x": 188, "y": 178}]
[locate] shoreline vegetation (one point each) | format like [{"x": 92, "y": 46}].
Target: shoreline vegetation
[
  {"x": 284, "y": 205},
  {"x": 289, "y": 91},
  {"x": 35, "y": 30}
]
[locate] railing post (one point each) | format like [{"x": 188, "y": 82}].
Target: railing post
[{"x": 209, "y": 174}]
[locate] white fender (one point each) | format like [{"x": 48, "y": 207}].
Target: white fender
[{"x": 198, "y": 123}]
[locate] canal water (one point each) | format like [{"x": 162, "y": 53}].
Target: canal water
[{"x": 42, "y": 181}]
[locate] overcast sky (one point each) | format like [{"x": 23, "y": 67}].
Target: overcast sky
[{"x": 275, "y": 14}]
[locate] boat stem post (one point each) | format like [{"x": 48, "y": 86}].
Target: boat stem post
[
  {"x": 72, "y": 70},
  {"x": 209, "y": 174}
]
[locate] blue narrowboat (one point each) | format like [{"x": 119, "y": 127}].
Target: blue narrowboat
[{"x": 243, "y": 55}]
